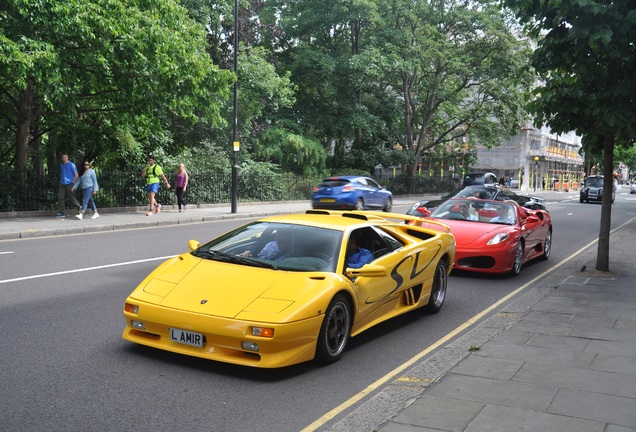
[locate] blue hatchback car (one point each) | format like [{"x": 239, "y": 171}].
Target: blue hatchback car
[{"x": 351, "y": 193}]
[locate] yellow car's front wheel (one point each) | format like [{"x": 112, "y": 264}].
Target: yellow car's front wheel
[{"x": 335, "y": 330}]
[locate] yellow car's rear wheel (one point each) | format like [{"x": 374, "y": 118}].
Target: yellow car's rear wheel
[
  {"x": 335, "y": 330},
  {"x": 438, "y": 290}
]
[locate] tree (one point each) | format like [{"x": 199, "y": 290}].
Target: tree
[
  {"x": 586, "y": 58},
  {"x": 101, "y": 76},
  {"x": 458, "y": 68},
  {"x": 627, "y": 155},
  {"x": 339, "y": 100}
]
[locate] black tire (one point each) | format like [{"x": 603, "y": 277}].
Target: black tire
[
  {"x": 335, "y": 331},
  {"x": 438, "y": 290},
  {"x": 388, "y": 206},
  {"x": 547, "y": 245},
  {"x": 359, "y": 204},
  {"x": 518, "y": 261}
]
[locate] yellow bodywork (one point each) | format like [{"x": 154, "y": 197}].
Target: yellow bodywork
[{"x": 224, "y": 301}]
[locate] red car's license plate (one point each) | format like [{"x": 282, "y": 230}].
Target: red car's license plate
[{"x": 186, "y": 337}]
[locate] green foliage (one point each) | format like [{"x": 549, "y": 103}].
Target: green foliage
[
  {"x": 586, "y": 57},
  {"x": 292, "y": 152},
  {"x": 459, "y": 67},
  {"x": 114, "y": 80},
  {"x": 262, "y": 91},
  {"x": 96, "y": 72},
  {"x": 627, "y": 155}
]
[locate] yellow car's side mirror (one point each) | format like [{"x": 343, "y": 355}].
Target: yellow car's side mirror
[
  {"x": 193, "y": 244},
  {"x": 367, "y": 270}
]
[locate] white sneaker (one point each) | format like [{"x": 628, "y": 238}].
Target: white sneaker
[
  {"x": 95, "y": 215},
  {"x": 80, "y": 216}
]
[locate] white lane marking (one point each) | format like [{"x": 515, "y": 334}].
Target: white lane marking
[
  {"x": 84, "y": 269},
  {"x": 6, "y": 253}
]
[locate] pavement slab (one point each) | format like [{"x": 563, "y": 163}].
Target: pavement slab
[
  {"x": 435, "y": 414},
  {"x": 505, "y": 419},
  {"x": 536, "y": 397},
  {"x": 616, "y": 410},
  {"x": 577, "y": 378}
]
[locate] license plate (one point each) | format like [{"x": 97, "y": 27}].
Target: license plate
[
  {"x": 186, "y": 337},
  {"x": 327, "y": 200}
]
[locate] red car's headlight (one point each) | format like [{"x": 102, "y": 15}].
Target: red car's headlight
[{"x": 498, "y": 238}]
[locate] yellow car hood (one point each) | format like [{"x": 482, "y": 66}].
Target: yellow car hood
[{"x": 227, "y": 290}]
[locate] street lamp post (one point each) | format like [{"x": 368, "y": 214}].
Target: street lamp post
[
  {"x": 235, "y": 143},
  {"x": 536, "y": 172}
]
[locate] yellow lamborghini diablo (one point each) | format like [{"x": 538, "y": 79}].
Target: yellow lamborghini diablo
[{"x": 288, "y": 289}]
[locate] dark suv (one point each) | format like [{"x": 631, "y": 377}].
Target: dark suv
[
  {"x": 480, "y": 179},
  {"x": 593, "y": 189}
]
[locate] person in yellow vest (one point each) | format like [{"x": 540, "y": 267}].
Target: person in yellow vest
[{"x": 152, "y": 173}]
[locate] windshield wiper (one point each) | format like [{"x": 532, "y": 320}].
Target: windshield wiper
[{"x": 237, "y": 259}]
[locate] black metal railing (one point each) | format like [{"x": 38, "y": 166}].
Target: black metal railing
[{"x": 29, "y": 191}]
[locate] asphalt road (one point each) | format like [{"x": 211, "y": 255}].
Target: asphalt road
[{"x": 66, "y": 368}]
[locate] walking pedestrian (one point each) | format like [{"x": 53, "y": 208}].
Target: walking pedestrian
[
  {"x": 181, "y": 184},
  {"x": 153, "y": 172},
  {"x": 88, "y": 183},
  {"x": 68, "y": 177}
]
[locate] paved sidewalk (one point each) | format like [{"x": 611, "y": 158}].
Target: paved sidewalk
[
  {"x": 560, "y": 358},
  {"x": 132, "y": 218}
]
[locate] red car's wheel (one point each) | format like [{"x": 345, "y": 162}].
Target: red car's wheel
[
  {"x": 518, "y": 261},
  {"x": 547, "y": 245}
]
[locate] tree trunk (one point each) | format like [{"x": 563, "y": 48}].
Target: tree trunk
[
  {"x": 24, "y": 128},
  {"x": 602, "y": 257}
]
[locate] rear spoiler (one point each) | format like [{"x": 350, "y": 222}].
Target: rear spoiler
[{"x": 380, "y": 217}]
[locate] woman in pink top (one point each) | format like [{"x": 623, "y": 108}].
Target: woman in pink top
[{"x": 181, "y": 185}]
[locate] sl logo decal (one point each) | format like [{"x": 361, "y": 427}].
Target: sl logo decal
[{"x": 416, "y": 270}]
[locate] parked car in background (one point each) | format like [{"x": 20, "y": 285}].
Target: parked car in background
[
  {"x": 480, "y": 178},
  {"x": 592, "y": 189},
  {"x": 494, "y": 236},
  {"x": 424, "y": 207},
  {"x": 632, "y": 188},
  {"x": 351, "y": 193}
]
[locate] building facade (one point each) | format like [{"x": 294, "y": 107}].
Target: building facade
[{"x": 535, "y": 159}]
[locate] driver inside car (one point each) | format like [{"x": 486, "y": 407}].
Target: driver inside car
[
  {"x": 463, "y": 209},
  {"x": 357, "y": 256}
]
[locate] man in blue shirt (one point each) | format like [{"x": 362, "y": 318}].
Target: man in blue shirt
[
  {"x": 68, "y": 177},
  {"x": 357, "y": 256}
]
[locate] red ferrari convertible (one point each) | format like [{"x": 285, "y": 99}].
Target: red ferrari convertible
[{"x": 495, "y": 236}]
